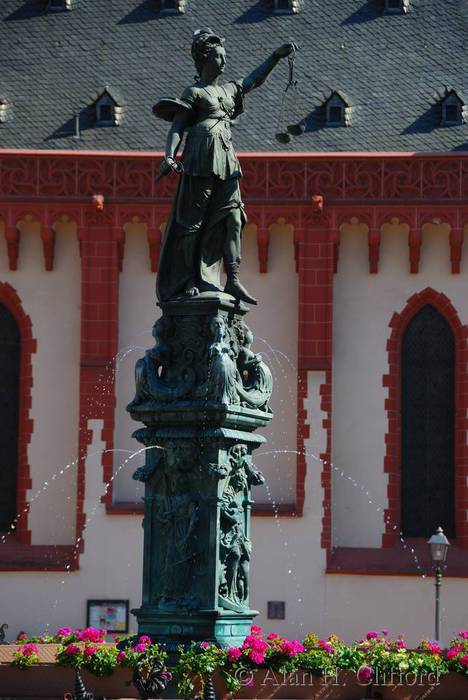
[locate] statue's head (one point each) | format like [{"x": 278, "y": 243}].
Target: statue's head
[
  {"x": 208, "y": 48},
  {"x": 218, "y": 328}
]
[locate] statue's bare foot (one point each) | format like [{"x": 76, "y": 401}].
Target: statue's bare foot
[{"x": 239, "y": 292}]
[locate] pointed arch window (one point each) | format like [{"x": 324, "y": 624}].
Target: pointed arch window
[
  {"x": 428, "y": 425},
  {"x": 10, "y": 348}
]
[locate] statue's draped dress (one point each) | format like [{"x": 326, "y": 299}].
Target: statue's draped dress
[{"x": 207, "y": 194}]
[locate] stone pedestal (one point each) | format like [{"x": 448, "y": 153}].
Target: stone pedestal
[{"x": 201, "y": 392}]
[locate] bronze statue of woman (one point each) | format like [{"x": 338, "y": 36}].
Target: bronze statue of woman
[{"x": 205, "y": 226}]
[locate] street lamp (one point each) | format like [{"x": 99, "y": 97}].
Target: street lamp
[{"x": 438, "y": 545}]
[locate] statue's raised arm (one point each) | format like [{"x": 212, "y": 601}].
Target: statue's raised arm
[
  {"x": 205, "y": 226},
  {"x": 258, "y": 76}
]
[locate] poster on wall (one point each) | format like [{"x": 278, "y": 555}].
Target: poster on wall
[{"x": 110, "y": 615}]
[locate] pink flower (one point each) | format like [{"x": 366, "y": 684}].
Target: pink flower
[
  {"x": 91, "y": 634},
  {"x": 372, "y": 635},
  {"x": 121, "y": 656},
  {"x": 365, "y": 674},
  {"x": 257, "y": 657},
  {"x": 144, "y": 639},
  {"x": 273, "y": 635},
  {"x": 64, "y": 632},
  {"x": 255, "y": 629},
  {"x": 234, "y": 653},
  {"x": 140, "y": 648},
  {"x": 22, "y": 636},
  {"x": 203, "y": 645},
  {"x": 326, "y": 646},
  {"x": 463, "y": 634},
  {"x": 41, "y": 640},
  {"x": 249, "y": 682},
  {"x": 255, "y": 643},
  {"x": 434, "y": 648},
  {"x": 464, "y": 661},
  {"x": 71, "y": 649},
  {"x": 451, "y": 654},
  {"x": 291, "y": 648},
  {"x": 400, "y": 644},
  {"x": 385, "y": 633},
  {"x": 29, "y": 649},
  {"x": 90, "y": 651}
]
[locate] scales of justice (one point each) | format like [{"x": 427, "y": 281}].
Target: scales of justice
[{"x": 201, "y": 390}]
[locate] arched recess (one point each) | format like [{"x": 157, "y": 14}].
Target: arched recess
[
  {"x": 16, "y": 320},
  {"x": 400, "y": 324}
]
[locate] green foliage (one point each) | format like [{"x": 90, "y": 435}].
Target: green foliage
[
  {"x": 195, "y": 662},
  {"x": 26, "y": 656}
]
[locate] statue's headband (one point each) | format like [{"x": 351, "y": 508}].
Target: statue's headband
[{"x": 205, "y": 36}]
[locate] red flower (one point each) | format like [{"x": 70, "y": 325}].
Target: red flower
[
  {"x": 121, "y": 656},
  {"x": 234, "y": 653},
  {"x": 257, "y": 657},
  {"x": 90, "y": 651},
  {"x": 71, "y": 649},
  {"x": 29, "y": 649},
  {"x": 91, "y": 634},
  {"x": 464, "y": 661}
]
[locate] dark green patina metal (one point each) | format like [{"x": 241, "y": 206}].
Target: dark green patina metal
[{"x": 201, "y": 392}]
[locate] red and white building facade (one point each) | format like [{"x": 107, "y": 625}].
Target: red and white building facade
[{"x": 342, "y": 250}]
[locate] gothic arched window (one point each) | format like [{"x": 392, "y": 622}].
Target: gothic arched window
[
  {"x": 10, "y": 347},
  {"x": 427, "y": 425}
]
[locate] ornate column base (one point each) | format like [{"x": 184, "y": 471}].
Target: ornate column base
[{"x": 201, "y": 392}]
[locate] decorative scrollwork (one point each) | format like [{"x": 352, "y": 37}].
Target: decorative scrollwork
[{"x": 214, "y": 364}]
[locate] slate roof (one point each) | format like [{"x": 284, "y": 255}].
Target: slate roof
[{"x": 393, "y": 69}]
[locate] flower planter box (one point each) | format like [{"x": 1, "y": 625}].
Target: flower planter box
[
  {"x": 48, "y": 680},
  {"x": 452, "y": 686},
  {"x": 304, "y": 686}
]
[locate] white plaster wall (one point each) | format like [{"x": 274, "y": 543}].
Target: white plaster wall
[
  {"x": 52, "y": 301},
  {"x": 274, "y": 323},
  {"x": 110, "y": 566},
  {"x": 363, "y": 306},
  {"x": 288, "y": 564}
]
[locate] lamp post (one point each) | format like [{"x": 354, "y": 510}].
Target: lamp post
[{"x": 438, "y": 545}]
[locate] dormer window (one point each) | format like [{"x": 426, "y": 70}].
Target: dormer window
[
  {"x": 452, "y": 110},
  {"x": 108, "y": 110},
  {"x": 59, "y": 5},
  {"x": 285, "y": 7},
  {"x": 336, "y": 111},
  {"x": 172, "y": 7},
  {"x": 396, "y": 7}
]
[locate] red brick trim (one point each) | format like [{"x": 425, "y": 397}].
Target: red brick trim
[
  {"x": 326, "y": 457},
  {"x": 21, "y": 557},
  {"x": 303, "y": 434},
  {"x": 395, "y": 561},
  {"x": 11, "y": 300},
  {"x": 392, "y": 380},
  {"x": 101, "y": 251}
]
